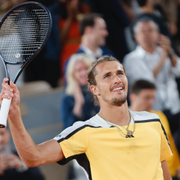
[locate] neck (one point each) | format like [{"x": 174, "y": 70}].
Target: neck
[
  {"x": 149, "y": 49},
  {"x": 120, "y": 114},
  {"x": 148, "y": 9},
  {"x": 136, "y": 107},
  {"x": 88, "y": 42}
]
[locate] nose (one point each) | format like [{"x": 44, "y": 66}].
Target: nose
[
  {"x": 106, "y": 33},
  {"x": 1, "y": 139},
  {"x": 117, "y": 80}
]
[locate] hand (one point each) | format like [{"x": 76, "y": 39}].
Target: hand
[
  {"x": 78, "y": 96},
  {"x": 165, "y": 44},
  {"x": 72, "y": 8},
  {"x": 8, "y": 92},
  {"x": 3, "y": 164},
  {"x": 173, "y": 29},
  {"x": 79, "y": 100}
]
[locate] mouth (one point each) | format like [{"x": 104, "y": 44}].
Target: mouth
[{"x": 117, "y": 89}]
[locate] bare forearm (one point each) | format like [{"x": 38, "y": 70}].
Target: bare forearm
[
  {"x": 65, "y": 30},
  {"x": 77, "y": 110},
  {"x": 166, "y": 172},
  {"x": 31, "y": 154},
  {"x": 173, "y": 60},
  {"x": 157, "y": 69},
  {"x": 23, "y": 142}
]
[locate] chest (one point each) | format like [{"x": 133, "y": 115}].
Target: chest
[{"x": 111, "y": 142}]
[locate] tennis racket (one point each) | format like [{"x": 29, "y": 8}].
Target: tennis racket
[{"x": 24, "y": 30}]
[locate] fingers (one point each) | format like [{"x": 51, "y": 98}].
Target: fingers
[
  {"x": 164, "y": 40},
  {"x": 165, "y": 43},
  {"x": 7, "y": 90}
]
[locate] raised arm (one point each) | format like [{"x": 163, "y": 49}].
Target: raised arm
[{"x": 31, "y": 154}]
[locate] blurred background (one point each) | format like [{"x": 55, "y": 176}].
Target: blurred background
[{"x": 44, "y": 86}]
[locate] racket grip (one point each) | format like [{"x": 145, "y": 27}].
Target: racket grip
[{"x": 4, "y": 112}]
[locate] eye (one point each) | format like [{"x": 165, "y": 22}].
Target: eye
[
  {"x": 107, "y": 76},
  {"x": 120, "y": 73}
]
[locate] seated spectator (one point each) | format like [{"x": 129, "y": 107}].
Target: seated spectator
[
  {"x": 11, "y": 166},
  {"x": 77, "y": 103},
  {"x": 154, "y": 60},
  {"x": 94, "y": 33},
  {"x": 142, "y": 96}
]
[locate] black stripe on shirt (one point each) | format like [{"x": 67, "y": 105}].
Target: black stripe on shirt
[
  {"x": 75, "y": 131},
  {"x": 156, "y": 120},
  {"x": 82, "y": 160}
]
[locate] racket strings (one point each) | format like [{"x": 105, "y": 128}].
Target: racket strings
[{"x": 23, "y": 32}]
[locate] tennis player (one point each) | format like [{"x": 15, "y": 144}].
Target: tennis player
[{"x": 116, "y": 144}]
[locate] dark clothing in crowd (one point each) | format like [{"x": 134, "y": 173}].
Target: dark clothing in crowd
[
  {"x": 116, "y": 20},
  {"x": 67, "y": 105}
]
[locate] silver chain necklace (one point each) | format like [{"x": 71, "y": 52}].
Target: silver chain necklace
[{"x": 129, "y": 133}]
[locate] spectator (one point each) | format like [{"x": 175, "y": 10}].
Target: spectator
[
  {"x": 148, "y": 10},
  {"x": 117, "y": 15},
  {"x": 11, "y": 167},
  {"x": 77, "y": 103},
  {"x": 154, "y": 60},
  {"x": 165, "y": 8},
  {"x": 94, "y": 33},
  {"x": 63, "y": 41},
  {"x": 142, "y": 96}
]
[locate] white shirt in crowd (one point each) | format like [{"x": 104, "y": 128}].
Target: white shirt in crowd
[
  {"x": 90, "y": 53},
  {"x": 139, "y": 64}
]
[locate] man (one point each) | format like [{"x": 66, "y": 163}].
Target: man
[
  {"x": 168, "y": 9},
  {"x": 142, "y": 96},
  {"x": 94, "y": 32},
  {"x": 148, "y": 10},
  {"x": 11, "y": 167},
  {"x": 121, "y": 145},
  {"x": 155, "y": 61}
]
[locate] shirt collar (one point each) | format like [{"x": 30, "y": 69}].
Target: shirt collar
[
  {"x": 142, "y": 52},
  {"x": 91, "y": 53}
]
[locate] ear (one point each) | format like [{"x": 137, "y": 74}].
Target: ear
[
  {"x": 88, "y": 30},
  {"x": 136, "y": 38},
  {"x": 94, "y": 89},
  {"x": 132, "y": 97}
]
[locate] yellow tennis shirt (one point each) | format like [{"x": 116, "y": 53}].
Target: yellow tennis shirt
[{"x": 106, "y": 154}]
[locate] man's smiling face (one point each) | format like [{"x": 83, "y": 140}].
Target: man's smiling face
[{"x": 111, "y": 82}]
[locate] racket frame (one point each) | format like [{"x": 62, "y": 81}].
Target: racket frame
[{"x": 29, "y": 59}]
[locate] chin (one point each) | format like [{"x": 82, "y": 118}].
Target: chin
[{"x": 84, "y": 83}]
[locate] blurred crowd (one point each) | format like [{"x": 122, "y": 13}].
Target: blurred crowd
[{"x": 144, "y": 35}]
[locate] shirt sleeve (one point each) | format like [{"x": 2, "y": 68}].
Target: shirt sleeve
[
  {"x": 176, "y": 69},
  {"x": 166, "y": 151},
  {"x": 73, "y": 141}
]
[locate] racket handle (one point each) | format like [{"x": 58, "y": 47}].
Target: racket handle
[{"x": 4, "y": 112}]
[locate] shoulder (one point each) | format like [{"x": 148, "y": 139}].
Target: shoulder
[
  {"x": 67, "y": 101},
  {"x": 106, "y": 51},
  {"x": 67, "y": 98},
  {"x": 130, "y": 56},
  {"x": 79, "y": 126},
  {"x": 144, "y": 116}
]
